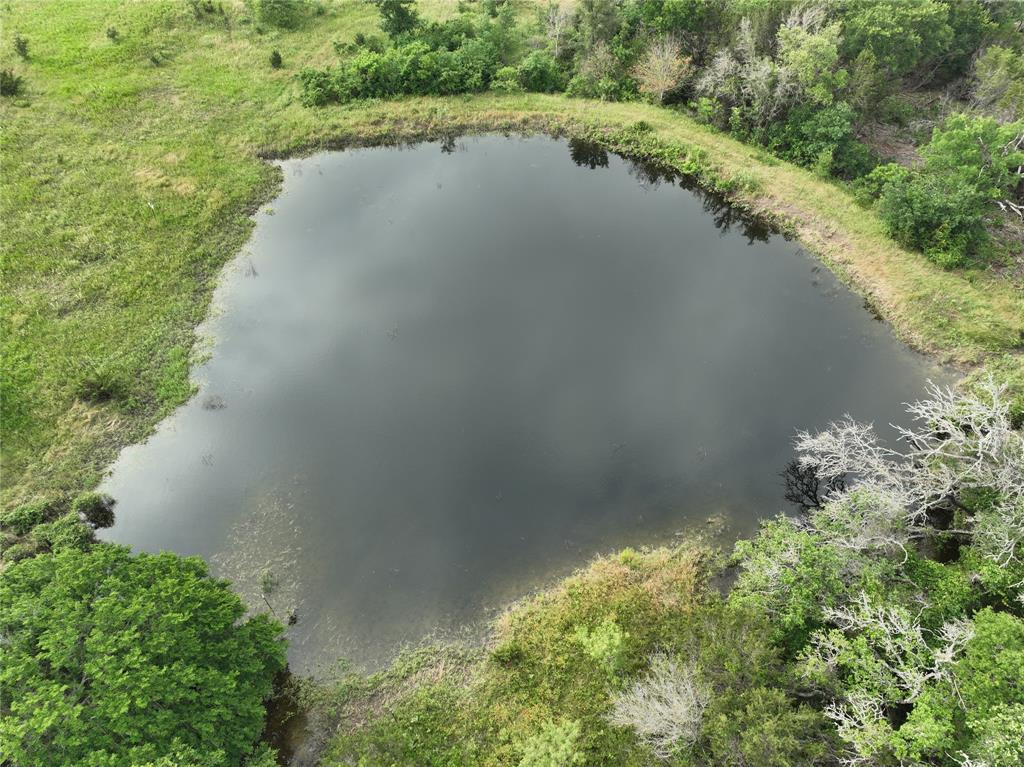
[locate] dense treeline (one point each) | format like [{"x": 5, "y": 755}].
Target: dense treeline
[{"x": 810, "y": 82}]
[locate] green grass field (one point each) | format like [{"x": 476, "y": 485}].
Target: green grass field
[{"x": 130, "y": 168}]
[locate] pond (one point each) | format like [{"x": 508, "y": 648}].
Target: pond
[{"x": 443, "y": 375}]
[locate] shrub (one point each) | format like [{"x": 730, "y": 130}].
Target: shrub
[
  {"x": 999, "y": 83},
  {"x": 119, "y": 660},
  {"x": 21, "y": 46},
  {"x": 275, "y": 59},
  {"x": 822, "y": 138},
  {"x": 318, "y": 87},
  {"x": 605, "y": 88},
  {"x": 605, "y": 645},
  {"x": 665, "y": 707},
  {"x": 68, "y": 531},
  {"x": 101, "y": 383},
  {"x": 21, "y": 519},
  {"x": 762, "y": 727},
  {"x": 539, "y": 73},
  {"x": 932, "y": 213},
  {"x": 278, "y": 13},
  {"x": 113, "y": 34},
  {"x": 17, "y": 552},
  {"x": 97, "y": 509},
  {"x": 553, "y": 746},
  {"x": 506, "y": 80},
  {"x": 10, "y": 83},
  {"x": 869, "y": 188}
]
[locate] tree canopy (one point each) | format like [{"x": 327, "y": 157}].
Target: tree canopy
[{"x": 119, "y": 660}]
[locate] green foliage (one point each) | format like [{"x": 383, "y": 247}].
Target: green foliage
[
  {"x": 604, "y": 644},
  {"x": 119, "y": 660},
  {"x": 901, "y": 34},
  {"x": 21, "y": 46},
  {"x": 10, "y": 83},
  {"x": 553, "y": 746},
  {"x": 275, "y": 59},
  {"x": 21, "y": 519},
  {"x": 16, "y": 552},
  {"x": 397, "y": 16},
  {"x": 67, "y": 531},
  {"x": 102, "y": 382},
  {"x": 934, "y": 214},
  {"x": 975, "y": 707},
  {"x": 823, "y": 139},
  {"x": 788, "y": 573},
  {"x": 976, "y": 151},
  {"x": 761, "y": 726},
  {"x": 506, "y": 80},
  {"x": 869, "y": 188},
  {"x": 539, "y": 72},
  {"x": 458, "y": 56},
  {"x": 999, "y": 83},
  {"x": 813, "y": 60},
  {"x": 285, "y": 14}
]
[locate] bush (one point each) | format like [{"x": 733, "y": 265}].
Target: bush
[
  {"x": 999, "y": 83},
  {"x": 119, "y": 660},
  {"x": 318, "y": 87},
  {"x": 68, "y": 531},
  {"x": 605, "y": 88},
  {"x": 506, "y": 80},
  {"x": 539, "y": 73},
  {"x": 937, "y": 215},
  {"x": 553, "y": 746},
  {"x": 113, "y": 34},
  {"x": 10, "y": 83},
  {"x": 823, "y": 139},
  {"x": 278, "y": 13},
  {"x": 21, "y": 46},
  {"x": 17, "y": 552},
  {"x": 21, "y": 519},
  {"x": 275, "y": 59},
  {"x": 762, "y": 727},
  {"x": 869, "y": 188},
  {"x": 101, "y": 382},
  {"x": 605, "y": 645},
  {"x": 665, "y": 707},
  {"x": 97, "y": 509}
]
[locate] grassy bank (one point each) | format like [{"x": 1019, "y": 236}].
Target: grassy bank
[
  {"x": 549, "y": 667},
  {"x": 132, "y": 162}
]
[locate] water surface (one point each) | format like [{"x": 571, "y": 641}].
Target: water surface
[{"x": 444, "y": 374}]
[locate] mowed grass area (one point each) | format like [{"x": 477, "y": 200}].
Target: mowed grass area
[{"x": 130, "y": 168}]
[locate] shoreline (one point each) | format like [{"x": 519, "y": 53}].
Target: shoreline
[{"x": 898, "y": 285}]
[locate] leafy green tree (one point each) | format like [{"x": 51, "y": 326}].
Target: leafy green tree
[
  {"x": 999, "y": 83},
  {"x": 597, "y": 21},
  {"x": 539, "y": 72},
  {"x": 901, "y": 34},
  {"x": 118, "y": 660},
  {"x": 397, "y": 16},
  {"x": 978, "y": 151},
  {"x": 812, "y": 59},
  {"x": 762, "y": 727}
]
